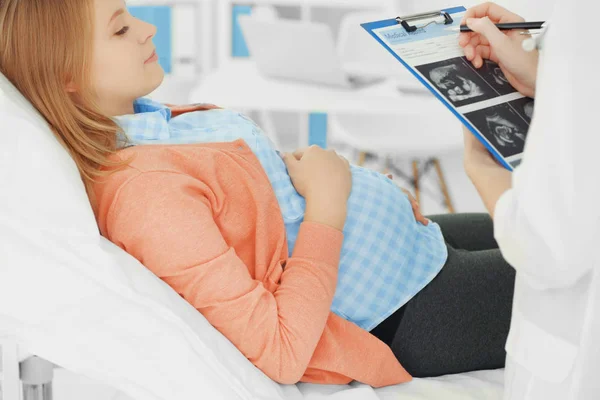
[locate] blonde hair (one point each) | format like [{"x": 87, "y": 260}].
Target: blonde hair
[{"x": 44, "y": 45}]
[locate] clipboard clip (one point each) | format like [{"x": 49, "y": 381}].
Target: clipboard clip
[{"x": 404, "y": 21}]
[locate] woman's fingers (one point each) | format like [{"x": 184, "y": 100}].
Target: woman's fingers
[
  {"x": 420, "y": 218},
  {"x": 345, "y": 160},
  {"x": 290, "y": 161},
  {"x": 416, "y": 208},
  {"x": 417, "y": 212},
  {"x": 300, "y": 152}
]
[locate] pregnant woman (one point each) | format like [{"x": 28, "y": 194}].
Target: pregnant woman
[{"x": 317, "y": 271}]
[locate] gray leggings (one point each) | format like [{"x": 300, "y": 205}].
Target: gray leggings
[{"x": 460, "y": 321}]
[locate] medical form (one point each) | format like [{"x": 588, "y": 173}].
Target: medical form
[{"x": 483, "y": 99}]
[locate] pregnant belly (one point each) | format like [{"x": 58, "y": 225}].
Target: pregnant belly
[
  {"x": 380, "y": 218},
  {"x": 375, "y": 197},
  {"x": 387, "y": 256},
  {"x": 377, "y": 209}
]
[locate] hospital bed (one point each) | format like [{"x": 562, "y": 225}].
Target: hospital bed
[
  {"x": 37, "y": 377},
  {"x": 70, "y": 298}
]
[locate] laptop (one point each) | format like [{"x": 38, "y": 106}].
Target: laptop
[{"x": 298, "y": 50}]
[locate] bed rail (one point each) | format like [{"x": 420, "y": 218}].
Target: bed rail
[{"x": 30, "y": 379}]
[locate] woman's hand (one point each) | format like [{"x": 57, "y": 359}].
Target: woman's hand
[
  {"x": 323, "y": 178},
  {"x": 414, "y": 204},
  {"x": 488, "y": 42}
]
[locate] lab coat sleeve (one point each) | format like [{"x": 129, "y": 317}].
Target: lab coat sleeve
[{"x": 547, "y": 224}]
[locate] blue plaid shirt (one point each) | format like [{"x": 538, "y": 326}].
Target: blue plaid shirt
[{"x": 387, "y": 256}]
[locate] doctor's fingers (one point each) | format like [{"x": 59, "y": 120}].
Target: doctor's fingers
[
  {"x": 504, "y": 48},
  {"x": 493, "y": 11},
  {"x": 482, "y": 50},
  {"x": 471, "y": 38},
  {"x": 480, "y": 53},
  {"x": 473, "y": 47},
  {"x": 475, "y": 39}
]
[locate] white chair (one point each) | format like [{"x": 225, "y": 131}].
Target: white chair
[{"x": 420, "y": 134}]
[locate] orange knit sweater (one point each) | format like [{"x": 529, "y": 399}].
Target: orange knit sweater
[{"x": 205, "y": 219}]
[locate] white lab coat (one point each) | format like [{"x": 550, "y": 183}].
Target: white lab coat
[{"x": 548, "y": 225}]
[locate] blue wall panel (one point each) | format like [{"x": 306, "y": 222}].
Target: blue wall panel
[
  {"x": 238, "y": 43},
  {"x": 318, "y": 129}
]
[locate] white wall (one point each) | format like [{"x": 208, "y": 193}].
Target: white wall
[
  {"x": 419, "y": 6},
  {"x": 531, "y": 10}
]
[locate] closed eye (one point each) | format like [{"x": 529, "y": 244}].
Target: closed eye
[{"x": 122, "y": 31}]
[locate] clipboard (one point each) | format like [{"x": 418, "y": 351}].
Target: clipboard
[{"x": 483, "y": 100}]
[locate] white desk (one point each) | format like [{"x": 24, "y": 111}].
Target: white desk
[
  {"x": 224, "y": 20},
  {"x": 238, "y": 85}
]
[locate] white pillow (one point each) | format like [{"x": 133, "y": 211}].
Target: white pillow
[{"x": 71, "y": 297}]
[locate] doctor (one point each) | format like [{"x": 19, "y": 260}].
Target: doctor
[{"x": 546, "y": 213}]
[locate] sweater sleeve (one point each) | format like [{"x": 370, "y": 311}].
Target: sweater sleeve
[{"x": 165, "y": 221}]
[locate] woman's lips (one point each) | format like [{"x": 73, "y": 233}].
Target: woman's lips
[{"x": 152, "y": 58}]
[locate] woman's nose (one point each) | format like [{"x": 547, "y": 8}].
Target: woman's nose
[{"x": 147, "y": 32}]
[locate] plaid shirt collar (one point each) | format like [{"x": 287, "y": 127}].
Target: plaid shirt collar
[{"x": 150, "y": 121}]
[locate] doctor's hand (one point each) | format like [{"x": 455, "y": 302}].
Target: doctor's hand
[
  {"x": 490, "y": 178},
  {"x": 505, "y": 48},
  {"x": 476, "y": 155}
]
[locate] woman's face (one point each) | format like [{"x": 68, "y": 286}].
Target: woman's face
[{"x": 125, "y": 65}]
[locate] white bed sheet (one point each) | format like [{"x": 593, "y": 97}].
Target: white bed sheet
[{"x": 479, "y": 385}]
